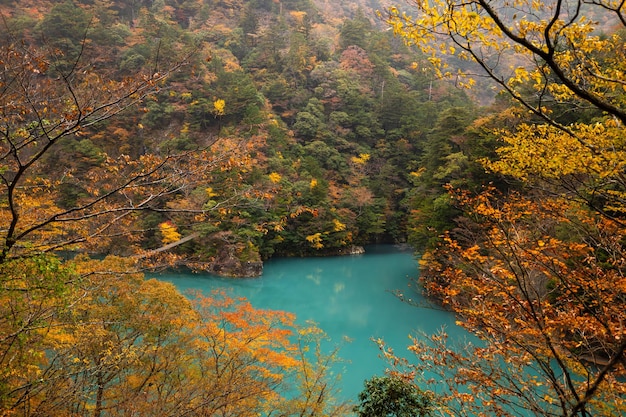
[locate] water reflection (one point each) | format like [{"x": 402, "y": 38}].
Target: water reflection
[{"x": 349, "y": 297}]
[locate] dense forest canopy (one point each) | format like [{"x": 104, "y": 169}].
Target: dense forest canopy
[
  {"x": 217, "y": 134},
  {"x": 296, "y": 133}
]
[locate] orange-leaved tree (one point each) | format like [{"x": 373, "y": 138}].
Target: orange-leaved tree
[
  {"x": 538, "y": 276},
  {"x": 316, "y": 387},
  {"x": 43, "y": 107},
  {"x": 541, "y": 284},
  {"x": 88, "y": 342}
]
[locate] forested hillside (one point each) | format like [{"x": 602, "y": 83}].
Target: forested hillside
[{"x": 312, "y": 123}]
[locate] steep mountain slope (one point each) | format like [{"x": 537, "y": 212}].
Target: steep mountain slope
[{"x": 313, "y": 118}]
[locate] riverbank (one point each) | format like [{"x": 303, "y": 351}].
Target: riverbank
[{"x": 228, "y": 264}]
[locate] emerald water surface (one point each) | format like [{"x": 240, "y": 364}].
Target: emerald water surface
[{"x": 349, "y": 297}]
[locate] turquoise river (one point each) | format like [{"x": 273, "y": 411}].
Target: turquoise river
[{"x": 349, "y": 297}]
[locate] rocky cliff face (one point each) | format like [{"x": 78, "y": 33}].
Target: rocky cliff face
[
  {"x": 233, "y": 267},
  {"x": 228, "y": 263}
]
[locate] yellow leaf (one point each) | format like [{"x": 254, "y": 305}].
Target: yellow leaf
[
  {"x": 219, "y": 106},
  {"x": 275, "y": 177},
  {"x": 169, "y": 233}
]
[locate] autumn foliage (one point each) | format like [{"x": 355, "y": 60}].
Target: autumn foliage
[
  {"x": 544, "y": 287},
  {"x": 79, "y": 341},
  {"x": 534, "y": 263},
  {"x": 218, "y": 134}
]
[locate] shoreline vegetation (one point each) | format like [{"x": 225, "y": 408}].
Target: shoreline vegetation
[
  {"x": 230, "y": 266},
  {"x": 227, "y": 264}
]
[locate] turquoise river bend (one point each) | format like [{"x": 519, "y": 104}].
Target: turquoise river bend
[{"x": 349, "y": 297}]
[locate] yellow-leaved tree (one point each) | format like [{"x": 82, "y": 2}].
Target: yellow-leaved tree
[
  {"x": 567, "y": 51},
  {"x": 537, "y": 275}
]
